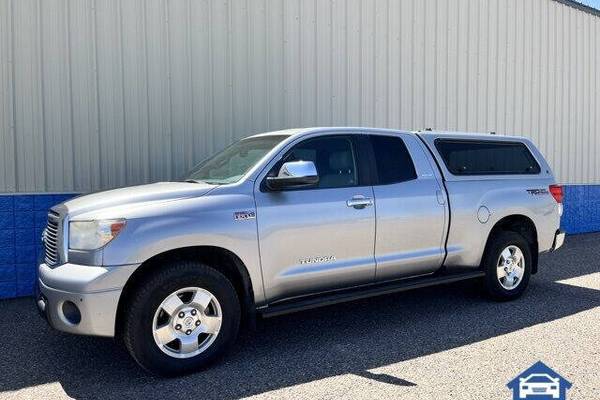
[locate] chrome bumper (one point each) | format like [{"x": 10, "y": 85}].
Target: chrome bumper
[
  {"x": 81, "y": 299},
  {"x": 559, "y": 240}
]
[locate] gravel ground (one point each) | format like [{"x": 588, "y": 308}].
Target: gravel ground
[{"x": 435, "y": 343}]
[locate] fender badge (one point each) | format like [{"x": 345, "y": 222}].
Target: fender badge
[{"x": 244, "y": 215}]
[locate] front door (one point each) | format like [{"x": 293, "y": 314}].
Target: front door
[{"x": 318, "y": 238}]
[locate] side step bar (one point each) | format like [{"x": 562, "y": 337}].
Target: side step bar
[{"x": 361, "y": 292}]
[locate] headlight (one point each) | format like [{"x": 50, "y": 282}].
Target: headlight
[{"x": 91, "y": 235}]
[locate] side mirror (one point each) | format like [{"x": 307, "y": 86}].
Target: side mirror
[{"x": 294, "y": 174}]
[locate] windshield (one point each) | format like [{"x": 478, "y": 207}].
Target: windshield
[{"x": 231, "y": 164}]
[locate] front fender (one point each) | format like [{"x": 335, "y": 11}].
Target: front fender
[{"x": 206, "y": 221}]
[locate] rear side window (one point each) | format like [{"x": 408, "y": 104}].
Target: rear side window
[
  {"x": 392, "y": 160},
  {"x": 471, "y": 157}
]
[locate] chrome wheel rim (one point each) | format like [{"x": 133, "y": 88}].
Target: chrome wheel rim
[
  {"x": 187, "y": 322},
  {"x": 511, "y": 267}
]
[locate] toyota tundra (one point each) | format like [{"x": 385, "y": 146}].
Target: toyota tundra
[{"x": 289, "y": 220}]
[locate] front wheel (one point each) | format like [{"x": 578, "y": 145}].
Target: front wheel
[
  {"x": 507, "y": 265},
  {"x": 181, "y": 318}
]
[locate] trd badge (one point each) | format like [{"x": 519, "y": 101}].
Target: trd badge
[{"x": 537, "y": 192}]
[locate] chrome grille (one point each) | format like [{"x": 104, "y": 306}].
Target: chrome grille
[{"x": 51, "y": 239}]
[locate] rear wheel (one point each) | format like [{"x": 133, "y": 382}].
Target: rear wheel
[
  {"x": 507, "y": 265},
  {"x": 181, "y": 318}
]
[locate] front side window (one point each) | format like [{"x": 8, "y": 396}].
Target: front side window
[
  {"x": 229, "y": 165},
  {"x": 333, "y": 157},
  {"x": 478, "y": 157},
  {"x": 392, "y": 160}
]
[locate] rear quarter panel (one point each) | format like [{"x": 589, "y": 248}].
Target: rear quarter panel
[{"x": 467, "y": 236}]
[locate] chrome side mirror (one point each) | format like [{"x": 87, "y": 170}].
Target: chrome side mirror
[{"x": 294, "y": 174}]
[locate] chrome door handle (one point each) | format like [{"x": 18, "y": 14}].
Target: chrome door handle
[{"x": 359, "y": 202}]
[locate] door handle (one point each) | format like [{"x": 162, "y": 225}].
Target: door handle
[
  {"x": 359, "y": 202},
  {"x": 441, "y": 199}
]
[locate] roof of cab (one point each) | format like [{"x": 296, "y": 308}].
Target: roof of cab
[
  {"x": 324, "y": 129},
  {"x": 285, "y": 132},
  {"x": 426, "y": 134}
]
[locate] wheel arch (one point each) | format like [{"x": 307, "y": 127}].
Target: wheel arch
[
  {"x": 522, "y": 225},
  {"x": 223, "y": 260}
]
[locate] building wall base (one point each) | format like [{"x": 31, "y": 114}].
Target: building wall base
[{"x": 23, "y": 218}]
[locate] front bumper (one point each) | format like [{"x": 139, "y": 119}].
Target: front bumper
[{"x": 81, "y": 299}]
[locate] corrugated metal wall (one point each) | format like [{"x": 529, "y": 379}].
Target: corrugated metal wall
[{"x": 106, "y": 93}]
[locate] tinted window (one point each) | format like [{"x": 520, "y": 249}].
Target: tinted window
[
  {"x": 469, "y": 157},
  {"x": 392, "y": 160},
  {"x": 334, "y": 158}
]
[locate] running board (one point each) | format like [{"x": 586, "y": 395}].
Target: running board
[{"x": 361, "y": 292}]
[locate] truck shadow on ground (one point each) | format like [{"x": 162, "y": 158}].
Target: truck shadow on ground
[{"x": 349, "y": 338}]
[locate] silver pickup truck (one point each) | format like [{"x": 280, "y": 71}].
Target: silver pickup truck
[{"x": 289, "y": 220}]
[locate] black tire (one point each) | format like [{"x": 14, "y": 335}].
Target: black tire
[
  {"x": 137, "y": 333},
  {"x": 498, "y": 243}
]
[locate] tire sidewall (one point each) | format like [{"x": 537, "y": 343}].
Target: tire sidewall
[
  {"x": 501, "y": 241},
  {"x": 141, "y": 340}
]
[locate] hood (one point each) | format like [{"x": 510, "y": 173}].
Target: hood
[{"x": 130, "y": 196}]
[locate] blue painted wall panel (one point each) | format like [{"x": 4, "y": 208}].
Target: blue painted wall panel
[
  {"x": 23, "y": 217},
  {"x": 581, "y": 209}
]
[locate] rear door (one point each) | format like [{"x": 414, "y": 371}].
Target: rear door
[{"x": 410, "y": 206}]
